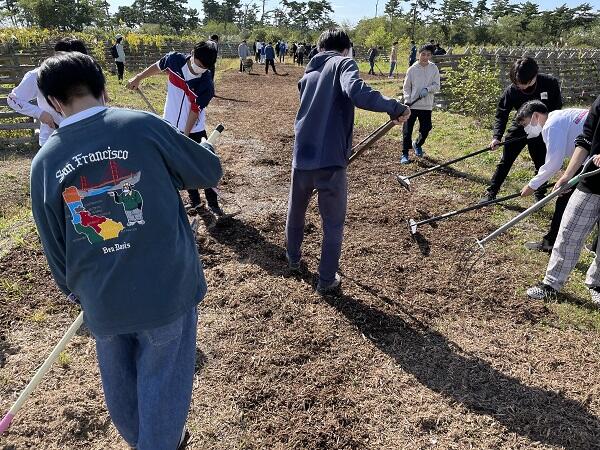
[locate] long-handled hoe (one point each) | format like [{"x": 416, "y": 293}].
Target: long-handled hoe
[
  {"x": 39, "y": 375},
  {"x": 472, "y": 254},
  {"x": 405, "y": 181}
]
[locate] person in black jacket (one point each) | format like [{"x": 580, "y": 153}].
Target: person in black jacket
[
  {"x": 527, "y": 84},
  {"x": 579, "y": 219}
]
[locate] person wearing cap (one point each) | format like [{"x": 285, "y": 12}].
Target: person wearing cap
[{"x": 120, "y": 56}]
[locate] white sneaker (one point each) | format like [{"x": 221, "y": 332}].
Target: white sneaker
[
  {"x": 595, "y": 295},
  {"x": 334, "y": 286},
  {"x": 542, "y": 291}
]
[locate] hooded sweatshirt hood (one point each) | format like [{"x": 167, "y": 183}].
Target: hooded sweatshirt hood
[
  {"x": 320, "y": 59},
  {"x": 329, "y": 90}
]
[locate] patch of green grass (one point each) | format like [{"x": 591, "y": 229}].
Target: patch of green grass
[
  {"x": 39, "y": 316},
  {"x": 64, "y": 359},
  {"x": 11, "y": 289},
  {"x": 454, "y": 135}
]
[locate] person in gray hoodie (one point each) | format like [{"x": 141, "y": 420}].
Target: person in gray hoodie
[
  {"x": 329, "y": 90},
  {"x": 421, "y": 83}
]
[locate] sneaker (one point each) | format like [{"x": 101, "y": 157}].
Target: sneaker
[
  {"x": 591, "y": 248},
  {"x": 217, "y": 211},
  {"x": 418, "y": 149},
  {"x": 193, "y": 208},
  {"x": 404, "y": 160},
  {"x": 543, "y": 246},
  {"x": 595, "y": 295},
  {"x": 488, "y": 197},
  {"x": 332, "y": 287},
  {"x": 184, "y": 440},
  {"x": 293, "y": 265},
  {"x": 542, "y": 291}
]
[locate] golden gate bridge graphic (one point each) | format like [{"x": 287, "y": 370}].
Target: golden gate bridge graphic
[{"x": 113, "y": 180}]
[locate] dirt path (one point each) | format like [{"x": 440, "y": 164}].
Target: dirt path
[{"x": 407, "y": 357}]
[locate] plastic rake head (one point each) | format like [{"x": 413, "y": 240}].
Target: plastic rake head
[{"x": 404, "y": 182}]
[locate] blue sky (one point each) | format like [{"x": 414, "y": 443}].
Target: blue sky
[{"x": 354, "y": 10}]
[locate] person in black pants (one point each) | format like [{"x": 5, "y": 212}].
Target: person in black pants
[
  {"x": 270, "y": 58},
  {"x": 527, "y": 84},
  {"x": 212, "y": 199}
]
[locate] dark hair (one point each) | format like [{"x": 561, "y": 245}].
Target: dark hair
[
  {"x": 427, "y": 48},
  {"x": 206, "y": 54},
  {"x": 523, "y": 70},
  {"x": 118, "y": 40},
  {"x": 77, "y": 45},
  {"x": 70, "y": 45},
  {"x": 334, "y": 39},
  {"x": 214, "y": 37},
  {"x": 412, "y": 42},
  {"x": 395, "y": 43},
  {"x": 527, "y": 110},
  {"x": 65, "y": 76}
]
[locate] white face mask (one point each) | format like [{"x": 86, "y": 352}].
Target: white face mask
[
  {"x": 197, "y": 69},
  {"x": 533, "y": 131}
]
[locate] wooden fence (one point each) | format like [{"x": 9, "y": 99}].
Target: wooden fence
[
  {"x": 577, "y": 69},
  {"x": 578, "y": 72}
]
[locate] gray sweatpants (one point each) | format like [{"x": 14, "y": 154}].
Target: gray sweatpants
[
  {"x": 579, "y": 218},
  {"x": 331, "y": 185}
]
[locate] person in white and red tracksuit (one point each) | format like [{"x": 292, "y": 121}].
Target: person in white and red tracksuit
[{"x": 190, "y": 90}]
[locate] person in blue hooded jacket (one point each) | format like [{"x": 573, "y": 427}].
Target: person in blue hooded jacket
[
  {"x": 270, "y": 58},
  {"x": 329, "y": 90}
]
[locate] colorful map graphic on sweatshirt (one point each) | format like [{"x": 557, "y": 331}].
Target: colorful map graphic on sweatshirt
[{"x": 95, "y": 228}]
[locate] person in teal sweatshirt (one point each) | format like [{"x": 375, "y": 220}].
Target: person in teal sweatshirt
[{"x": 137, "y": 278}]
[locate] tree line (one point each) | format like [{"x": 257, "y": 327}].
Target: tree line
[{"x": 452, "y": 22}]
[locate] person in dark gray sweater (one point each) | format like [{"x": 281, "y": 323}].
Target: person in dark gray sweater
[
  {"x": 329, "y": 90},
  {"x": 104, "y": 195}
]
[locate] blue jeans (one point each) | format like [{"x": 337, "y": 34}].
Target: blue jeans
[
  {"x": 147, "y": 379},
  {"x": 392, "y": 67},
  {"x": 332, "y": 191}
]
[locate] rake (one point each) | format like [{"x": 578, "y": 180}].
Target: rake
[
  {"x": 413, "y": 224},
  {"x": 37, "y": 378},
  {"x": 405, "y": 181},
  {"x": 150, "y": 107},
  {"x": 39, "y": 375},
  {"x": 472, "y": 254}
]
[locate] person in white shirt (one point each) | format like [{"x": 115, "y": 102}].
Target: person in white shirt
[
  {"x": 21, "y": 96},
  {"x": 559, "y": 129},
  {"x": 243, "y": 53},
  {"x": 421, "y": 82},
  {"x": 120, "y": 59}
]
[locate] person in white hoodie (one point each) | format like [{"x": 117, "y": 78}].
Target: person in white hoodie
[
  {"x": 21, "y": 96},
  {"x": 421, "y": 82},
  {"x": 559, "y": 129}
]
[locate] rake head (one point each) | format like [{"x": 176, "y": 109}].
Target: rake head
[
  {"x": 412, "y": 226},
  {"x": 468, "y": 256},
  {"x": 404, "y": 182}
]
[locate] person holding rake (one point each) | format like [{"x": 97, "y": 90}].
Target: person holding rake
[
  {"x": 558, "y": 129},
  {"x": 329, "y": 91},
  {"x": 138, "y": 284},
  {"x": 580, "y": 217},
  {"x": 189, "y": 92}
]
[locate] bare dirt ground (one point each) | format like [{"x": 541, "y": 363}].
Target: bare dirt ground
[{"x": 409, "y": 356}]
